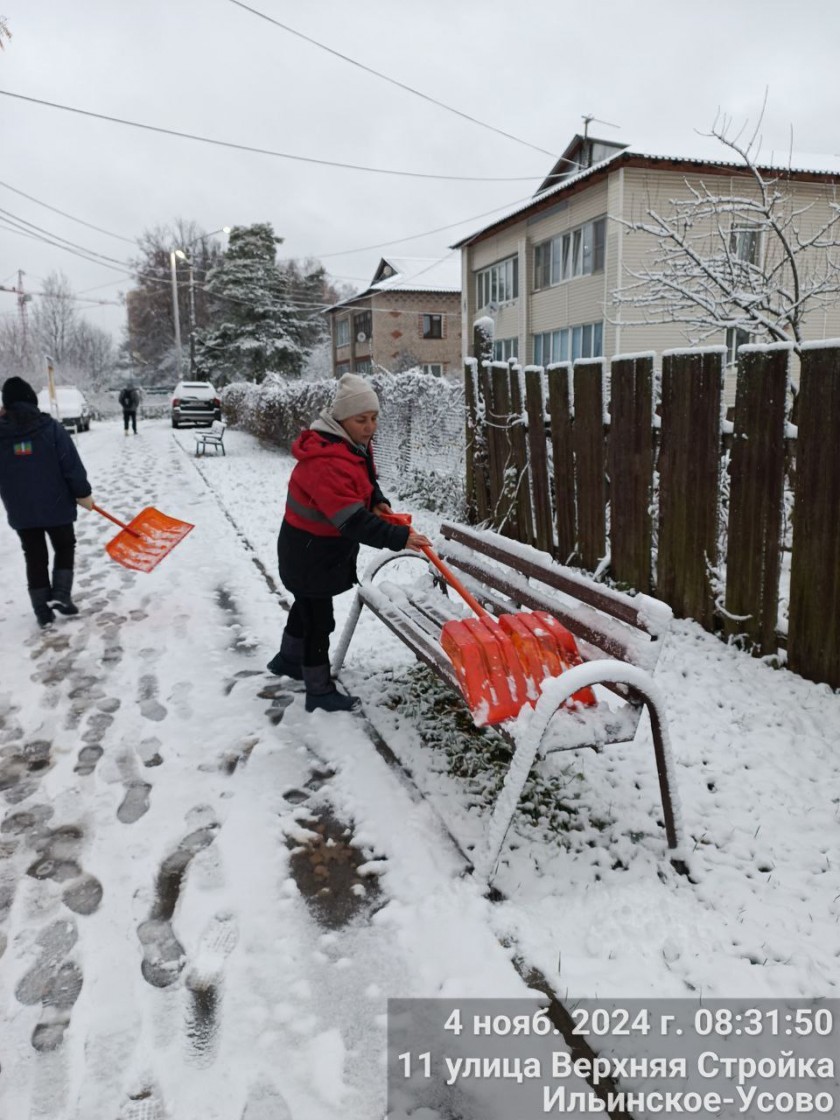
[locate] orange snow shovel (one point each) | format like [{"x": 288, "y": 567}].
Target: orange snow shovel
[
  {"x": 146, "y": 539},
  {"x": 500, "y": 663}
]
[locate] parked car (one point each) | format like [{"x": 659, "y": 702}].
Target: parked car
[
  {"x": 196, "y": 402},
  {"x": 73, "y": 410}
]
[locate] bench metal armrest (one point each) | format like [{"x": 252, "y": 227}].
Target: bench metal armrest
[
  {"x": 529, "y": 737},
  {"x": 371, "y": 571}
]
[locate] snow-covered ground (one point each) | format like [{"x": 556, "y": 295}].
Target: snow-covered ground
[{"x": 169, "y": 809}]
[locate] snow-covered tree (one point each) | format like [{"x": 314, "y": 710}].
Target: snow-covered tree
[
  {"x": 749, "y": 260},
  {"x": 259, "y": 328}
]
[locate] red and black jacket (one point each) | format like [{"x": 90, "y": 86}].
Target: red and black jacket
[{"x": 332, "y": 491}]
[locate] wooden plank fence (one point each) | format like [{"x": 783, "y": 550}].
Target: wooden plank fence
[{"x": 651, "y": 485}]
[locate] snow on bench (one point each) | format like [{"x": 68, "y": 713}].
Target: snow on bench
[{"x": 620, "y": 637}]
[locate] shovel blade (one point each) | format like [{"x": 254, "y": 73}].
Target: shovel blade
[
  {"x": 489, "y": 672},
  {"x": 501, "y": 664},
  {"x": 147, "y": 539},
  {"x": 547, "y": 648}
]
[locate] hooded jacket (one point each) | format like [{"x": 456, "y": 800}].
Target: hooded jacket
[
  {"x": 332, "y": 490},
  {"x": 41, "y": 474}
]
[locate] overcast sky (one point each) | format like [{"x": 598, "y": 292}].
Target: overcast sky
[{"x": 531, "y": 68}]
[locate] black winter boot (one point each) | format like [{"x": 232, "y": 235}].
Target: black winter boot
[
  {"x": 61, "y": 588},
  {"x": 289, "y": 661},
  {"x": 40, "y": 604},
  {"x": 322, "y": 694}
]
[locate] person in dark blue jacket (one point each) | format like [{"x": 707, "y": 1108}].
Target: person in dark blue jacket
[{"x": 42, "y": 479}]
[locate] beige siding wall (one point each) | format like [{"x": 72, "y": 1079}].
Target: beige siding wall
[{"x": 627, "y": 193}]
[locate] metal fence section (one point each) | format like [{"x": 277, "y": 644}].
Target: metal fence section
[{"x": 420, "y": 444}]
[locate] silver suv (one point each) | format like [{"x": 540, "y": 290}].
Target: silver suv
[
  {"x": 195, "y": 402},
  {"x": 70, "y": 407}
]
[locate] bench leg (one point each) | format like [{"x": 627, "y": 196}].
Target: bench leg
[
  {"x": 529, "y": 743},
  {"x": 347, "y": 634}
]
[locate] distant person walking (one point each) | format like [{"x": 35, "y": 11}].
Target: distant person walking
[
  {"x": 129, "y": 400},
  {"x": 42, "y": 479}
]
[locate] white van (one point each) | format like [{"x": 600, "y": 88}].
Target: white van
[{"x": 73, "y": 409}]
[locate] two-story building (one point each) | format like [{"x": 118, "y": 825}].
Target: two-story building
[
  {"x": 409, "y": 316},
  {"x": 547, "y": 272}
]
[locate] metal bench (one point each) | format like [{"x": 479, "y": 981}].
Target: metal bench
[
  {"x": 214, "y": 437},
  {"x": 620, "y": 637}
]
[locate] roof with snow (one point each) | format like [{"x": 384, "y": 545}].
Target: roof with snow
[
  {"x": 591, "y": 158},
  {"x": 412, "y": 274}
]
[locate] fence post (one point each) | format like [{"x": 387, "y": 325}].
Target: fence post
[
  {"x": 538, "y": 459},
  {"x": 689, "y": 472},
  {"x": 756, "y": 492},
  {"x": 501, "y": 457},
  {"x": 478, "y": 503},
  {"x": 814, "y": 625},
  {"x": 518, "y": 436},
  {"x": 631, "y": 470},
  {"x": 560, "y": 416},
  {"x": 590, "y": 474}
]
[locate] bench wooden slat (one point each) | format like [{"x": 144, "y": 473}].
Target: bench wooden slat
[
  {"x": 641, "y": 611},
  {"x": 423, "y": 645},
  {"x": 607, "y": 634}
]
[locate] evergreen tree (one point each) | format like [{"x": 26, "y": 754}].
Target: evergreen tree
[{"x": 258, "y": 328}]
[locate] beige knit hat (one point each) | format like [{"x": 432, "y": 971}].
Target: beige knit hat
[{"x": 354, "y": 396}]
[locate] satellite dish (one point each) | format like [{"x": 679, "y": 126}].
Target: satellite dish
[{"x": 361, "y": 337}]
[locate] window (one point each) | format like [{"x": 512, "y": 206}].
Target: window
[
  {"x": 580, "y": 252},
  {"x": 735, "y": 337},
  {"x": 363, "y": 326},
  {"x": 504, "y": 349},
  {"x": 433, "y": 326},
  {"x": 342, "y": 332},
  {"x": 341, "y": 368},
  {"x": 435, "y": 368},
  {"x": 569, "y": 344},
  {"x": 497, "y": 284},
  {"x": 744, "y": 243},
  {"x": 363, "y": 365}
]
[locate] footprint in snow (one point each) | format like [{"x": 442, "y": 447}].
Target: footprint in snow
[
  {"x": 54, "y": 942},
  {"x": 150, "y": 706},
  {"x": 60, "y": 994},
  {"x": 203, "y": 980},
  {"x": 163, "y": 954}
]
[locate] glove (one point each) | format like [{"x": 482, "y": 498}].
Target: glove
[{"x": 86, "y": 503}]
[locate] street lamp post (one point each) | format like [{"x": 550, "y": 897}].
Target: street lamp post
[
  {"x": 175, "y": 313},
  {"x": 185, "y": 256}
]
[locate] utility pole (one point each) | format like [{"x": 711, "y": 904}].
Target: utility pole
[{"x": 23, "y": 298}]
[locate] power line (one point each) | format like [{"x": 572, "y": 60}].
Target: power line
[
  {"x": 428, "y": 232},
  {"x": 64, "y": 214},
  {"x": 271, "y": 152},
  {"x": 393, "y": 81}
]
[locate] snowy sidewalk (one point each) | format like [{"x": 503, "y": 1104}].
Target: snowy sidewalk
[
  {"x": 169, "y": 806},
  {"x": 160, "y": 959}
]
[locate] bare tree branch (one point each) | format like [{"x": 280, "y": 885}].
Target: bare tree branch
[{"x": 757, "y": 261}]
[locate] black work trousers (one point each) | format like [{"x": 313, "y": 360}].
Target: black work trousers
[
  {"x": 34, "y": 542},
  {"x": 130, "y": 417},
  {"x": 313, "y": 621}
]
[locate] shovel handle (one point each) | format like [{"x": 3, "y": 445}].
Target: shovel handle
[
  {"x": 447, "y": 573},
  {"x": 455, "y": 583},
  {"x": 116, "y": 520}
]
